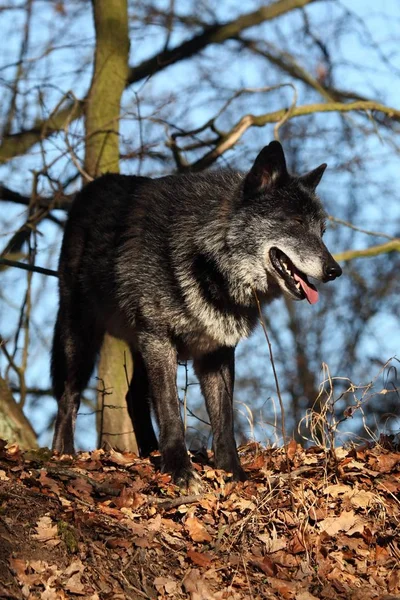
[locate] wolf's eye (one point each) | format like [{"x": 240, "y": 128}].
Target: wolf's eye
[
  {"x": 298, "y": 220},
  {"x": 323, "y": 231}
]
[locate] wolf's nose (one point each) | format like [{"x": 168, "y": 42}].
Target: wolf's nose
[{"x": 332, "y": 271}]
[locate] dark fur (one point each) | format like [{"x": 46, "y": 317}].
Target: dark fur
[{"x": 171, "y": 265}]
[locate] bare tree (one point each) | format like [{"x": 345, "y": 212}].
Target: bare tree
[{"x": 209, "y": 85}]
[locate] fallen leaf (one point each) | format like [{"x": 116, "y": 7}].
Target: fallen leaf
[
  {"x": 384, "y": 463},
  {"x": 154, "y": 524},
  {"x": 196, "y": 530},
  {"x": 336, "y": 490},
  {"x": 128, "y": 498},
  {"x": 317, "y": 513},
  {"x": 361, "y": 498},
  {"x": 256, "y": 464},
  {"x": 394, "y": 581},
  {"x": 285, "y": 589},
  {"x": 48, "y": 482},
  {"x": 125, "y": 460},
  {"x": 202, "y": 559},
  {"x": 305, "y": 596},
  {"x": 291, "y": 449},
  {"x": 46, "y": 531},
  {"x": 272, "y": 544},
  {"x": 266, "y": 565},
  {"x": 344, "y": 522},
  {"x": 196, "y": 586},
  {"x": 170, "y": 586},
  {"x": 296, "y": 544}
]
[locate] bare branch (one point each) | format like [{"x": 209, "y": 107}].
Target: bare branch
[
  {"x": 360, "y": 229},
  {"x": 393, "y": 246},
  {"x": 25, "y": 267},
  {"x": 59, "y": 200},
  {"x": 17, "y": 144},
  {"x": 215, "y": 34},
  {"x": 227, "y": 141}
]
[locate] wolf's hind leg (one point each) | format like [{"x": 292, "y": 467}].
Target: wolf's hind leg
[
  {"x": 75, "y": 346},
  {"x": 216, "y": 375},
  {"x": 138, "y": 402}
]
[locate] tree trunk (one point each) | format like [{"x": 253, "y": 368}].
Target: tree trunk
[
  {"x": 101, "y": 156},
  {"x": 14, "y": 426}
]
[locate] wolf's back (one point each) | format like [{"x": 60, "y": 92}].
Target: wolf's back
[{"x": 127, "y": 237}]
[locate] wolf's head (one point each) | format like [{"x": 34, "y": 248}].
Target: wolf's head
[{"x": 278, "y": 229}]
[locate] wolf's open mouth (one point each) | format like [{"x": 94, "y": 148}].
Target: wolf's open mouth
[{"x": 296, "y": 281}]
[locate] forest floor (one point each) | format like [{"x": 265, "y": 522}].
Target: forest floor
[{"x": 308, "y": 524}]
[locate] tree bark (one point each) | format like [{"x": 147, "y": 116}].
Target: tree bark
[
  {"x": 102, "y": 113},
  {"x": 14, "y": 426}
]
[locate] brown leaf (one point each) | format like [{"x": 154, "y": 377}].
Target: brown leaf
[
  {"x": 384, "y": 463},
  {"x": 48, "y": 482},
  {"x": 109, "y": 510},
  {"x": 317, "y": 513},
  {"x": 390, "y": 483},
  {"x": 46, "y": 531},
  {"x": 125, "y": 459},
  {"x": 266, "y": 565},
  {"x": 305, "y": 596},
  {"x": 3, "y": 476},
  {"x": 336, "y": 490},
  {"x": 361, "y": 498},
  {"x": 296, "y": 544},
  {"x": 256, "y": 464},
  {"x": 291, "y": 449},
  {"x": 202, "y": 559},
  {"x": 394, "y": 581},
  {"x": 196, "y": 530},
  {"x": 194, "y": 583},
  {"x": 285, "y": 589},
  {"x": 170, "y": 586},
  {"x": 119, "y": 543},
  {"x": 344, "y": 522},
  {"x": 272, "y": 543}
]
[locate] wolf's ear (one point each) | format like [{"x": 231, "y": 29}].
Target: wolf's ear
[
  {"x": 312, "y": 179},
  {"x": 268, "y": 169}
]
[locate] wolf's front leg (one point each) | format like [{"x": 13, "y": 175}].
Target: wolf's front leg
[
  {"x": 160, "y": 358},
  {"x": 216, "y": 373}
]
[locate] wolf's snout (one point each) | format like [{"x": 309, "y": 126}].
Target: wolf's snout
[{"x": 331, "y": 271}]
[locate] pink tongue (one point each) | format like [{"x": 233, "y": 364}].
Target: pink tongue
[{"x": 310, "y": 292}]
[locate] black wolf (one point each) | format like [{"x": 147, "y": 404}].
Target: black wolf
[{"x": 171, "y": 265}]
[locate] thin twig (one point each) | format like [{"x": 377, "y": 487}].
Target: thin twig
[
  {"x": 278, "y": 390},
  {"x": 174, "y": 502},
  {"x": 32, "y": 268},
  {"x": 360, "y": 229}
]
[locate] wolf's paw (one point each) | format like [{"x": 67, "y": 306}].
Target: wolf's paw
[
  {"x": 188, "y": 480},
  {"x": 238, "y": 474}
]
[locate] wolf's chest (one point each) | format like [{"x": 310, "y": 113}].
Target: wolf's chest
[{"x": 210, "y": 331}]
